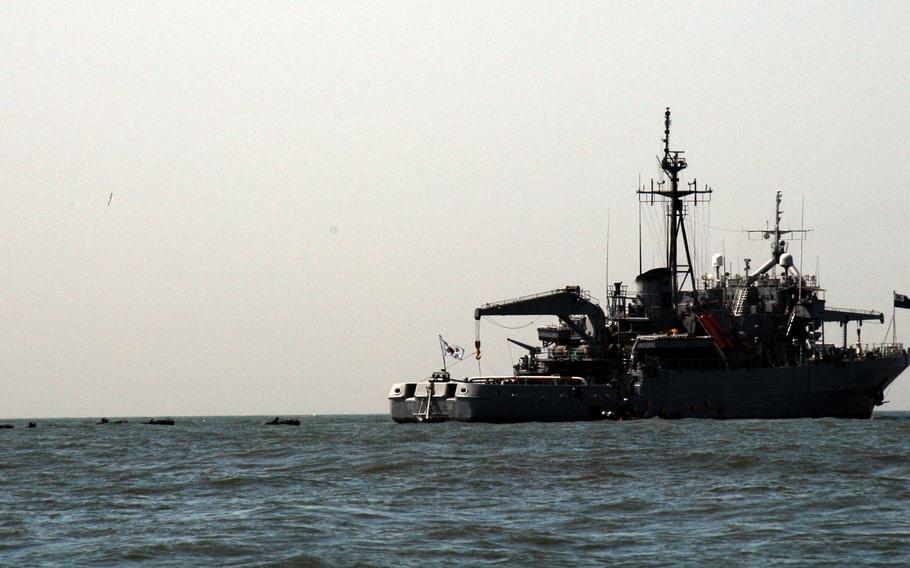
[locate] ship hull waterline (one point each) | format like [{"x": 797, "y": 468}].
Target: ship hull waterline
[
  {"x": 823, "y": 390},
  {"x": 847, "y": 389},
  {"x": 504, "y": 403}
]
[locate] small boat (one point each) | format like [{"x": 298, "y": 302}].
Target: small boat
[
  {"x": 283, "y": 422},
  {"x": 106, "y": 421},
  {"x": 161, "y": 421}
]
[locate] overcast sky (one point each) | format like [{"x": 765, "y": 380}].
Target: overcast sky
[{"x": 275, "y": 208}]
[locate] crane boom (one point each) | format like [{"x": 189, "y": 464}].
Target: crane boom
[{"x": 563, "y": 303}]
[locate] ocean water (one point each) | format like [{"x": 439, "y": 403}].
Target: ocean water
[{"x": 364, "y": 491}]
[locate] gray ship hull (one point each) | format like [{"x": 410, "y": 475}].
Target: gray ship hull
[
  {"x": 838, "y": 390},
  {"x": 502, "y": 403}
]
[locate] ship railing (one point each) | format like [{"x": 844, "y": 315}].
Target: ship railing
[
  {"x": 827, "y": 352},
  {"x": 568, "y": 355},
  {"x": 528, "y": 380},
  {"x": 873, "y": 313},
  {"x": 886, "y": 349}
]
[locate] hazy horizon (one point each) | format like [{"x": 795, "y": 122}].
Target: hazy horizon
[{"x": 233, "y": 209}]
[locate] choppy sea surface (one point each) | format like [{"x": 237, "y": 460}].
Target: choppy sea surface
[{"x": 362, "y": 490}]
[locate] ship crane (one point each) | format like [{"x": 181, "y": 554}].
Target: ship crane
[{"x": 563, "y": 303}]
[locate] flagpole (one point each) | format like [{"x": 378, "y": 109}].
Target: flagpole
[
  {"x": 442, "y": 350},
  {"x": 894, "y": 318}
]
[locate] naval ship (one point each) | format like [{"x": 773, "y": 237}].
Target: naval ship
[{"x": 721, "y": 346}]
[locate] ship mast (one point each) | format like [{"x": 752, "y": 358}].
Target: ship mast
[
  {"x": 672, "y": 163},
  {"x": 778, "y": 244}
]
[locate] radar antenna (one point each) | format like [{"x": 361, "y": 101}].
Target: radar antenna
[
  {"x": 672, "y": 163},
  {"x": 778, "y": 244}
]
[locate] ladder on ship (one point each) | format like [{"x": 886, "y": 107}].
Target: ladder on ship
[
  {"x": 428, "y": 415},
  {"x": 740, "y": 301}
]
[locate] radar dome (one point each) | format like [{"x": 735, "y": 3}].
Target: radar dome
[{"x": 786, "y": 260}]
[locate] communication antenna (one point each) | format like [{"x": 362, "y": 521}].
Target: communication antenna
[
  {"x": 607, "y": 275},
  {"x": 639, "y": 229},
  {"x": 802, "y": 228},
  {"x": 676, "y": 199},
  {"x": 778, "y": 244}
]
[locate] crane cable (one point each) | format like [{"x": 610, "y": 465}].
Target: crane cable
[
  {"x": 477, "y": 332},
  {"x": 510, "y": 327}
]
